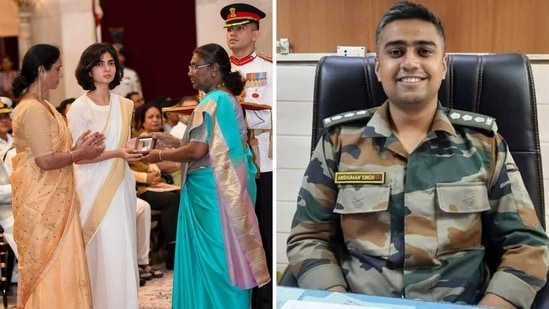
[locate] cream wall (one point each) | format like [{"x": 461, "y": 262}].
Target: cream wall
[
  {"x": 9, "y": 18},
  {"x": 295, "y": 81},
  {"x": 67, "y": 24}
]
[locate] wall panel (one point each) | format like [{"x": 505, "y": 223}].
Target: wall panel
[
  {"x": 521, "y": 26},
  {"x": 318, "y": 26}
]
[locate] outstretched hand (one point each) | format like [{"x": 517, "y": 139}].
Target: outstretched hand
[
  {"x": 153, "y": 156},
  {"x": 166, "y": 141},
  {"x": 130, "y": 154}
]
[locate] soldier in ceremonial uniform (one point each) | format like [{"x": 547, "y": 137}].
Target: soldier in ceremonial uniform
[
  {"x": 403, "y": 200},
  {"x": 242, "y": 24},
  {"x": 6, "y": 139}
]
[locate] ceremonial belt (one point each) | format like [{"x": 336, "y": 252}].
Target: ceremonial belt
[{"x": 261, "y": 131}]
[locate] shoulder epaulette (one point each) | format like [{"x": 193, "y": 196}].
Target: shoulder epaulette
[
  {"x": 470, "y": 119},
  {"x": 346, "y": 117},
  {"x": 265, "y": 57}
]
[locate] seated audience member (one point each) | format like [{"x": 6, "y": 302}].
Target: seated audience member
[
  {"x": 449, "y": 190},
  {"x": 149, "y": 175},
  {"x": 164, "y": 101},
  {"x": 6, "y": 213},
  {"x": 143, "y": 231},
  {"x": 7, "y": 75},
  {"x": 138, "y": 101},
  {"x": 6, "y": 219},
  {"x": 6, "y": 140},
  {"x": 183, "y": 119},
  {"x": 170, "y": 118},
  {"x": 150, "y": 118}
]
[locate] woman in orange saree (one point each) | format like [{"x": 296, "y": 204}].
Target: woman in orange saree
[{"x": 53, "y": 269}]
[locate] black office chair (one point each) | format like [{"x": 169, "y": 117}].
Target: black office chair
[{"x": 497, "y": 85}]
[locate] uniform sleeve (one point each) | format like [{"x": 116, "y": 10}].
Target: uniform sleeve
[
  {"x": 310, "y": 248},
  {"x": 513, "y": 227}
]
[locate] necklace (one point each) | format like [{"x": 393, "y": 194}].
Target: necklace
[{"x": 216, "y": 87}]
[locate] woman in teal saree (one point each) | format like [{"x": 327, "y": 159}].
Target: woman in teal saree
[{"x": 219, "y": 255}]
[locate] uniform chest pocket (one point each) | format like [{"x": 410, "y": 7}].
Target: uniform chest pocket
[
  {"x": 365, "y": 219},
  {"x": 460, "y": 206}
]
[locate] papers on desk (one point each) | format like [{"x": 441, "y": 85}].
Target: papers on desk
[
  {"x": 338, "y": 301},
  {"x": 303, "y": 304}
]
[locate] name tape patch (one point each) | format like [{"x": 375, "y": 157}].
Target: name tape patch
[{"x": 360, "y": 177}]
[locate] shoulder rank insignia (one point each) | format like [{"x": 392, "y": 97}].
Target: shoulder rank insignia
[
  {"x": 265, "y": 57},
  {"x": 345, "y": 117},
  {"x": 470, "y": 119}
]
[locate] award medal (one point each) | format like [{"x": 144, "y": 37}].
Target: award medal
[{"x": 254, "y": 81}]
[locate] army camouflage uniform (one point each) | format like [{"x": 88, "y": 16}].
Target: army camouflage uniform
[{"x": 412, "y": 224}]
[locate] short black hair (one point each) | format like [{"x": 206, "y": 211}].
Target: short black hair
[
  {"x": 130, "y": 94},
  {"x": 89, "y": 58},
  {"x": 142, "y": 110},
  {"x": 408, "y": 10}
]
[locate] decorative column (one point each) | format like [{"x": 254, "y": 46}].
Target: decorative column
[{"x": 25, "y": 31}]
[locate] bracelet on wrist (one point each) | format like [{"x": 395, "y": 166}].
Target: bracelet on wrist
[
  {"x": 72, "y": 156},
  {"x": 160, "y": 155}
]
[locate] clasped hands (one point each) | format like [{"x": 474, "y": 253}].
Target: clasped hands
[
  {"x": 90, "y": 145},
  {"x": 153, "y": 177}
]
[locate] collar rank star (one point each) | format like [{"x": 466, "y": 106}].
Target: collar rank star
[{"x": 360, "y": 177}]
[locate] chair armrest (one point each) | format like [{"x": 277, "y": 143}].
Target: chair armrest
[
  {"x": 288, "y": 279},
  {"x": 542, "y": 297}
]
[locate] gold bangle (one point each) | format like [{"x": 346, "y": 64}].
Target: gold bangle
[
  {"x": 72, "y": 156},
  {"x": 160, "y": 155}
]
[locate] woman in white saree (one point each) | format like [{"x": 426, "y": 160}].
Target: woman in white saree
[{"x": 106, "y": 185}]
